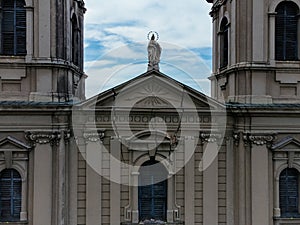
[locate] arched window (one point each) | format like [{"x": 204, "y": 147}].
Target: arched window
[
  {"x": 289, "y": 193},
  {"x": 10, "y": 195},
  {"x": 13, "y": 27},
  {"x": 153, "y": 191},
  {"x": 286, "y": 31},
  {"x": 224, "y": 43},
  {"x": 75, "y": 40}
]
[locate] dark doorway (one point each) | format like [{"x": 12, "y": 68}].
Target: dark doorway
[{"x": 153, "y": 191}]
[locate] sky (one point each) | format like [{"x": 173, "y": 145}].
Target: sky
[{"x": 116, "y": 41}]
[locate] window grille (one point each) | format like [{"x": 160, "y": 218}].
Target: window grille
[
  {"x": 13, "y": 27},
  {"x": 10, "y": 195},
  {"x": 289, "y": 193},
  {"x": 286, "y": 31},
  {"x": 153, "y": 195}
]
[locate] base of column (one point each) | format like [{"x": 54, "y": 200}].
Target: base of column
[
  {"x": 23, "y": 216},
  {"x": 135, "y": 216},
  {"x": 276, "y": 212},
  {"x": 170, "y": 216}
]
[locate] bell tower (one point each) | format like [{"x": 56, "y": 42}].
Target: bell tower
[
  {"x": 41, "y": 50},
  {"x": 256, "y": 51}
]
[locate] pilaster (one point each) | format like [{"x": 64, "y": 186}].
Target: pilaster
[
  {"x": 43, "y": 207},
  {"x": 210, "y": 178},
  {"x": 189, "y": 175},
  {"x": 115, "y": 177},
  {"x": 94, "y": 145},
  {"x": 260, "y": 184},
  {"x": 258, "y": 144},
  {"x": 135, "y": 194}
]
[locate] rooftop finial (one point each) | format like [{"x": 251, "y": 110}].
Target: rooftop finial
[{"x": 154, "y": 51}]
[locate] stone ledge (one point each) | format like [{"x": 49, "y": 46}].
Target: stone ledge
[
  {"x": 250, "y": 99},
  {"x": 166, "y": 223},
  {"x": 15, "y": 223}
]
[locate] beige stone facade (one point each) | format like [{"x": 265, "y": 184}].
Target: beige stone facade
[{"x": 221, "y": 160}]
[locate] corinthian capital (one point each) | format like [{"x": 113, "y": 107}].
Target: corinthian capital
[
  {"x": 259, "y": 138},
  {"x": 43, "y": 136},
  {"x": 94, "y": 135},
  {"x": 210, "y": 137}
]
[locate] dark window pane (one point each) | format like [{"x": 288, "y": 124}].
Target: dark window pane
[
  {"x": 75, "y": 41},
  {"x": 288, "y": 193},
  {"x": 10, "y": 195},
  {"x": 286, "y": 29},
  {"x": 13, "y": 37},
  {"x": 152, "y": 192},
  {"x": 224, "y": 43}
]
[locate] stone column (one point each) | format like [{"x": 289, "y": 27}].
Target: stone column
[
  {"x": 171, "y": 190},
  {"x": 170, "y": 211},
  {"x": 258, "y": 36},
  {"x": 29, "y": 31},
  {"x": 44, "y": 28},
  {"x": 276, "y": 209},
  {"x": 272, "y": 38},
  {"x": 134, "y": 197},
  {"x": 232, "y": 34},
  {"x": 24, "y": 214},
  {"x": 61, "y": 177}
]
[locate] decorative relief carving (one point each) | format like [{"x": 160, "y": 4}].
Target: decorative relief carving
[
  {"x": 255, "y": 138},
  {"x": 94, "y": 135},
  {"x": 261, "y": 139},
  {"x": 152, "y": 101},
  {"x": 209, "y": 137},
  {"x": 81, "y": 5},
  {"x": 173, "y": 141},
  {"x": 43, "y": 136},
  {"x": 67, "y": 135},
  {"x": 47, "y": 136},
  {"x": 147, "y": 118},
  {"x": 236, "y": 138},
  {"x": 216, "y": 6}
]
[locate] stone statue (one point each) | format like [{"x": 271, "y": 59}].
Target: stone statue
[{"x": 154, "y": 52}]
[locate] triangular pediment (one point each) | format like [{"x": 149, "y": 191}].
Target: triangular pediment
[
  {"x": 10, "y": 143},
  {"x": 152, "y": 89},
  {"x": 287, "y": 144}
]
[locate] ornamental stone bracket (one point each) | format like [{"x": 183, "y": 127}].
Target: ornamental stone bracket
[
  {"x": 173, "y": 141},
  {"x": 46, "y": 136},
  {"x": 93, "y": 135},
  {"x": 216, "y": 7},
  {"x": 207, "y": 137},
  {"x": 255, "y": 138}
]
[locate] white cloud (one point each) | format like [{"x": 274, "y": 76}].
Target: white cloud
[
  {"x": 185, "y": 23},
  {"x": 120, "y": 30}
]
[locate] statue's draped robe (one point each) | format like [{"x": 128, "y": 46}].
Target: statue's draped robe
[{"x": 154, "y": 52}]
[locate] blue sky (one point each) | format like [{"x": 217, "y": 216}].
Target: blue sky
[{"x": 116, "y": 41}]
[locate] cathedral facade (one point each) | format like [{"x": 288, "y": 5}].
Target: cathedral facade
[{"x": 151, "y": 150}]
